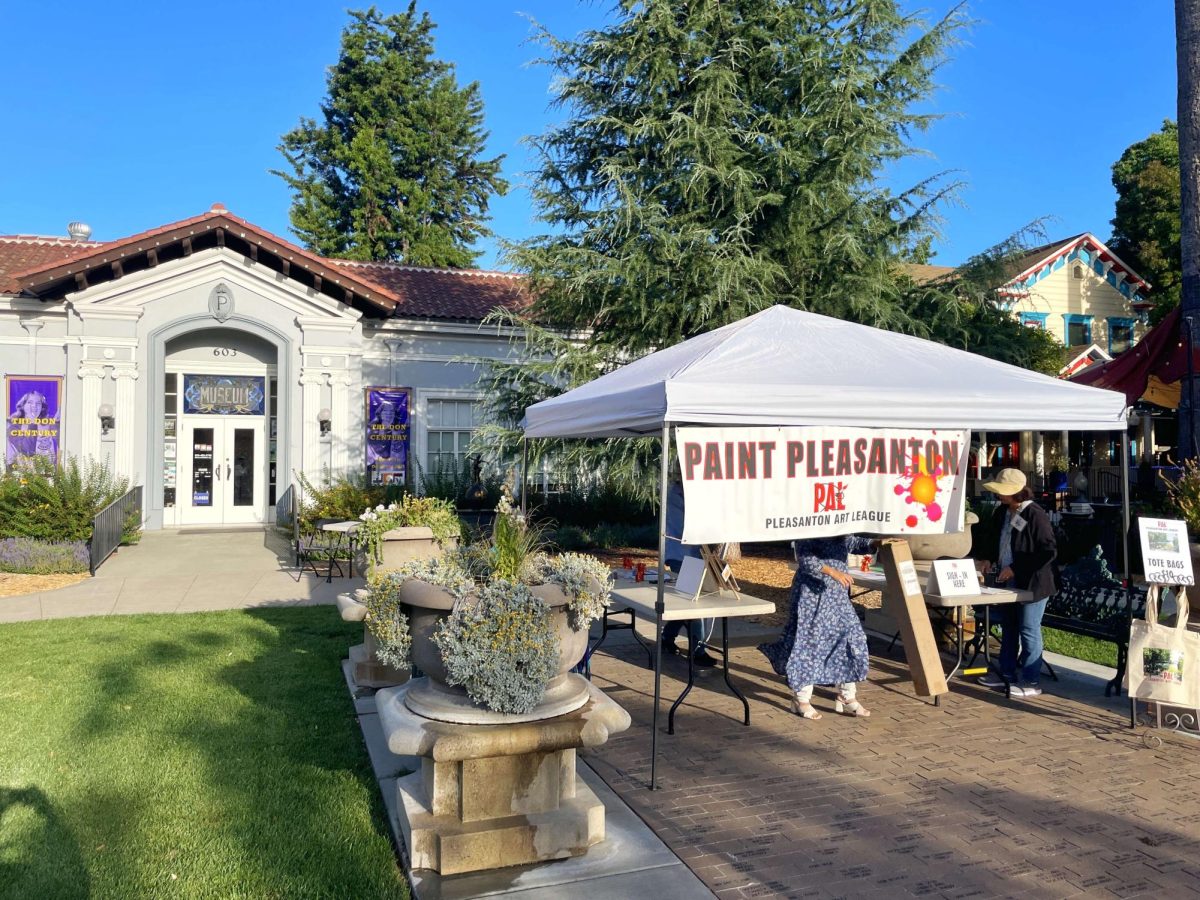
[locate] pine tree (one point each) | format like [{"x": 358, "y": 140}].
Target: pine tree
[
  {"x": 394, "y": 168},
  {"x": 721, "y": 156},
  {"x": 1146, "y": 226}
]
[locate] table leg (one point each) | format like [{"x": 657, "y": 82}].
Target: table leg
[
  {"x": 657, "y": 695},
  {"x": 691, "y": 677},
  {"x": 725, "y": 664},
  {"x": 587, "y": 656}
]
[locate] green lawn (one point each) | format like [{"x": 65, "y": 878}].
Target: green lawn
[
  {"x": 1079, "y": 647},
  {"x": 200, "y": 755}
]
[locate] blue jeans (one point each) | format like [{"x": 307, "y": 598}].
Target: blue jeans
[
  {"x": 1021, "y": 623},
  {"x": 697, "y": 628}
]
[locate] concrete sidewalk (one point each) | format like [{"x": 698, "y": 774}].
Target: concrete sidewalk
[{"x": 188, "y": 571}]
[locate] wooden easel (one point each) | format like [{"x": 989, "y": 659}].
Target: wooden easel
[{"x": 718, "y": 577}]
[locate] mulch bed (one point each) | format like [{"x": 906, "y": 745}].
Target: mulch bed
[{"x": 15, "y": 585}]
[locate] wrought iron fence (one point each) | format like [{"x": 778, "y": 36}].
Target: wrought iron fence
[
  {"x": 285, "y": 508},
  {"x": 109, "y": 525}
]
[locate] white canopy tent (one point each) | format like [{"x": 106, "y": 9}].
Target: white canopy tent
[{"x": 784, "y": 366}]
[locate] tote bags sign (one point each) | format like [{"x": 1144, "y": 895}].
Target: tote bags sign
[
  {"x": 1164, "y": 661},
  {"x": 776, "y": 484}
]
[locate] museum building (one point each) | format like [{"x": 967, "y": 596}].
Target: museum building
[{"x": 211, "y": 361}]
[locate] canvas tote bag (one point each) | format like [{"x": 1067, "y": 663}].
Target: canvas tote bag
[{"x": 1164, "y": 660}]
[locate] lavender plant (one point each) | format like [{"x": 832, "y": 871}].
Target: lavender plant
[{"x": 34, "y": 557}]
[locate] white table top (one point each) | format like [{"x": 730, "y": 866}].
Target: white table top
[
  {"x": 341, "y": 527},
  {"x": 679, "y": 607},
  {"x": 877, "y": 581}
]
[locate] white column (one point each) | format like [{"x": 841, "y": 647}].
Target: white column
[
  {"x": 311, "y": 463},
  {"x": 340, "y": 409},
  {"x": 126, "y": 405},
  {"x": 91, "y": 393}
]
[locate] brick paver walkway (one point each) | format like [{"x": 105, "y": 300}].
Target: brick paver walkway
[{"x": 981, "y": 797}]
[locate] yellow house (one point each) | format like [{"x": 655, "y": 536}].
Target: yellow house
[{"x": 1081, "y": 292}]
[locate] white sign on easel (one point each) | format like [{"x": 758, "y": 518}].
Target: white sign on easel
[
  {"x": 953, "y": 578},
  {"x": 908, "y": 577},
  {"x": 1166, "y": 557}
]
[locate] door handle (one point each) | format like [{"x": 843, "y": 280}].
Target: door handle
[
  {"x": 226, "y": 471},
  {"x": 217, "y": 470}
]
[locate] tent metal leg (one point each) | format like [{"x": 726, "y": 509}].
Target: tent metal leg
[
  {"x": 658, "y": 602},
  {"x": 1125, "y": 520}
]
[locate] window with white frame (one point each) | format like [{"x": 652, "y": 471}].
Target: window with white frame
[{"x": 448, "y": 427}]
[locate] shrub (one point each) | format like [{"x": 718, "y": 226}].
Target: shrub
[
  {"x": 344, "y": 499},
  {"x": 1183, "y": 495},
  {"x": 587, "y": 507},
  {"x": 453, "y": 483},
  {"x": 57, "y": 503},
  {"x": 33, "y": 557},
  {"x": 569, "y": 537},
  {"x": 436, "y": 515}
]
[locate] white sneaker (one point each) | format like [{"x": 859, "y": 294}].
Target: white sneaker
[{"x": 1027, "y": 690}]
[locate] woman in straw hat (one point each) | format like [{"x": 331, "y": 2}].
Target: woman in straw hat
[{"x": 1024, "y": 561}]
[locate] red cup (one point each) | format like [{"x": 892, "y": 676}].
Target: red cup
[{"x": 641, "y": 572}]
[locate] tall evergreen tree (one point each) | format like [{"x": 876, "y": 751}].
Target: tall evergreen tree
[
  {"x": 720, "y": 156},
  {"x": 1146, "y": 225},
  {"x": 394, "y": 168}
]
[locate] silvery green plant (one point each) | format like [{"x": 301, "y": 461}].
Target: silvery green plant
[
  {"x": 386, "y": 620},
  {"x": 584, "y": 579},
  {"x": 499, "y": 644}
]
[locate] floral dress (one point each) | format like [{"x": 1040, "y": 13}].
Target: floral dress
[{"x": 823, "y": 642}]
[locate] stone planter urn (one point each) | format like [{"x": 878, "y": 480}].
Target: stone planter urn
[
  {"x": 495, "y": 789},
  {"x": 954, "y": 544},
  {"x": 366, "y": 668},
  {"x": 402, "y": 545},
  {"x": 433, "y": 698}
]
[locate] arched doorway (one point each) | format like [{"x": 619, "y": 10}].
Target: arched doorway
[{"x": 220, "y": 405}]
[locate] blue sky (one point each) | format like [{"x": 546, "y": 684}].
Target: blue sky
[{"x": 129, "y": 116}]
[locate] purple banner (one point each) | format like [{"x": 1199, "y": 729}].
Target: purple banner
[
  {"x": 34, "y": 418},
  {"x": 387, "y": 434}
]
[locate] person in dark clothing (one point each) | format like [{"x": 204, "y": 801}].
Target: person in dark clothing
[
  {"x": 1025, "y": 560},
  {"x": 677, "y": 551}
]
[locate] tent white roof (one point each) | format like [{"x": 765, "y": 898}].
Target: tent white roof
[{"x": 783, "y": 366}]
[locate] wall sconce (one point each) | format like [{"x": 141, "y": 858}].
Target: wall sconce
[
  {"x": 108, "y": 419},
  {"x": 325, "y": 418}
]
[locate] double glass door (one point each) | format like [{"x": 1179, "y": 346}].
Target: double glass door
[{"x": 222, "y": 470}]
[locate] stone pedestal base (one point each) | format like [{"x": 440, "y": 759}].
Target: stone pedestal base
[
  {"x": 370, "y": 672},
  {"x": 490, "y": 796}
]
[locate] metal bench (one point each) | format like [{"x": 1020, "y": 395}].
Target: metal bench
[{"x": 1093, "y": 603}]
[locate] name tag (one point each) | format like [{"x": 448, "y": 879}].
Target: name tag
[{"x": 1019, "y": 524}]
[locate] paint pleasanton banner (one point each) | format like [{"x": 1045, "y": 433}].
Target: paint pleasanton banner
[{"x": 776, "y": 484}]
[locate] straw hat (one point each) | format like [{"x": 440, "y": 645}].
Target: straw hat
[{"x": 1006, "y": 482}]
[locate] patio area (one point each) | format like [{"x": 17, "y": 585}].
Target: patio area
[
  {"x": 982, "y": 797},
  {"x": 185, "y": 571}
]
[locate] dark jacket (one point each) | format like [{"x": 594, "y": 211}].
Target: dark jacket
[{"x": 1034, "y": 550}]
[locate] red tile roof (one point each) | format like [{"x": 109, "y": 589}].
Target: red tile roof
[
  {"x": 19, "y": 252},
  {"x": 26, "y": 262},
  {"x": 445, "y": 293}
]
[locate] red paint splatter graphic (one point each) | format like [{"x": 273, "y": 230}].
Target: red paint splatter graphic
[{"x": 922, "y": 487}]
